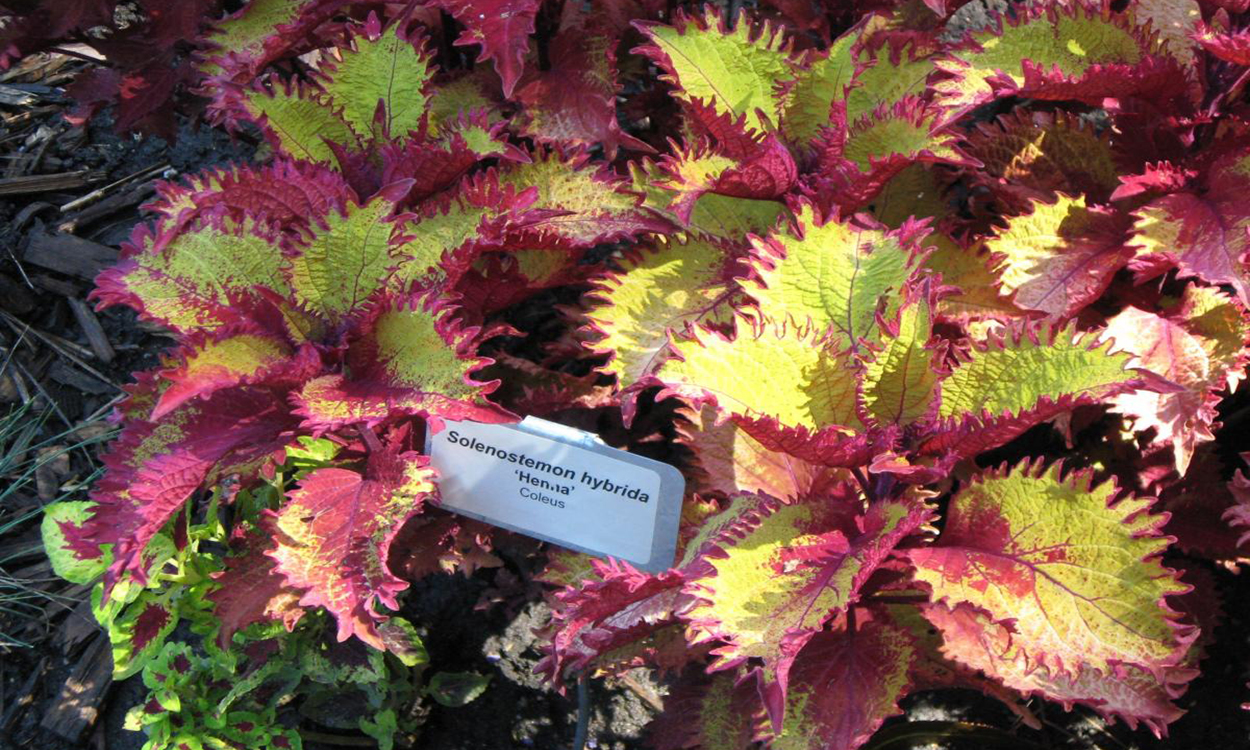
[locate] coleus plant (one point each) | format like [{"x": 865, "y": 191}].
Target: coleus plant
[{"x": 870, "y": 247}]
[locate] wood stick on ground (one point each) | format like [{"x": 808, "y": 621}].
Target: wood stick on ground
[
  {"x": 78, "y": 704},
  {"x": 70, "y": 255},
  {"x": 44, "y": 183},
  {"x": 99, "y": 193},
  {"x": 92, "y": 329}
]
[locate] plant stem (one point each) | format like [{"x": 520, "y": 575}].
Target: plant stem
[{"x": 583, "y": 713}]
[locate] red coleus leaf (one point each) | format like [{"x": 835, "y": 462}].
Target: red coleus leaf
[
  {"x": 573, "y": 101},
  {"x": 1233, "y": 47},
  {"x": 501, "y": 28},
  {"x": 615, "y": 605},
  {"x": 845, "y": 684},
  {"x": 334, "y": 537},
  {"x": 1130, "y": 692},
  {"x": 1201, "y": 231},
  {"x": 155, "y": 467},
  {"x": 251, "y": 590}
]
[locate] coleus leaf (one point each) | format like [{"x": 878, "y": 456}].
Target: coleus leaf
[
  {"x": 1175, "y": 21},
  {"x": 434, "y": 247},
  {"x": 855, "y": 159},
  {"x": 833, "y": 275},
  {"x": 767, "y": 171},
  {"x": 846, "y": 683},
  {"x": 1200, "y": 347},
  {"x": 298, "y": 120},
  {"x": 735, "y": 70},
  {"x": 260, "y": 32},
  {"x": 781, "y": 571},
  {"x": 411, "y": 358},
  {"x": 187, "y": 278},
  {"x": 658, "y": 291},
  {"x": 208, "y": 364},
  {"x": 154, "y": 467},
  {"x": 353, "y": 243},
  {"x": 586, "y": 205},
  {"x": 1202, "y": 232},
  {"x": 720, "y": 217},
  {"x": 63, "y": 521},
  {"x": 616, "y": 605},
  {"x": 710, "y": 711},
  {"x": 820, "y": 84},
  {"x": 138, "y": 632},
  {"x": 982, "y": 406},
  {"x": 1230, "y": 46},
  {"x": 282, "y": 195},
  {"x": 1061, "y": 256},
  {"x": 889, "y": 69},
  {"x": 1029, "y": 156},
  {"x": 737, "y": 375},
  {"x": 1084, "y": 590},
  {"x": 899, "y": 381},
  {"x": 574, "y": 101},
  {"x": 932, "y": 670},
  {"x": 334, "y": 536},
  {"x": 383, "y": 69},
  {"x": 1130, "y": 692},
  {"x": 733, "y": 462},
  {"x": 1073, "y": 51},
  {"x": 501, "y": 28},
  {"x": 251, "y": 590}
]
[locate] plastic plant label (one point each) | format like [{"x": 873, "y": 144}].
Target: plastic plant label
[{"x": 561, "y": 485}]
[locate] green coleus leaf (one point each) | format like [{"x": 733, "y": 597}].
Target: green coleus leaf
[
  {"x": 819, "y": 85},
  {"x": 189, "y": 279},
  {"x": 888, "y": 71},
  {"x": 353, "y": 243},
  {"x": 875, "y": 658},
  {"x": 410, "y": 359},
  {"x": 385, "y": 69},
  {"x": 984, "y": 402},
  {"x": 1074, "y": 51},
  {"x": 69, "y": 516},
  {"x": 833, "y": 275},
  {"x": 585, "y": 205},
  {"x": 899, "y": 381},
  {"x": 659, "y": 293},
  {"x": 298, "y": 120},
  {"x": 780, "y": 572},
  {"x": 736, "y": 71},
  {"x": 334, "y": 535},
  {"x": 738, "y": 375},
  {"x": 1074, "y": 570}
]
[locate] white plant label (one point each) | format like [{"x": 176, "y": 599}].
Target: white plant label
[{"x": 561, "y": 485}]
